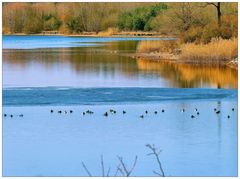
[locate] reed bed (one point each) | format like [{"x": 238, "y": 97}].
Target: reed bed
[
  {"x": 217, "y": 51},
  {"x": 159, "y": 46},
  {"x": 108, "y": 32}
]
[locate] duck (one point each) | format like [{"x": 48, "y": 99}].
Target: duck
[
  {"x": 198, "y": 113},
  {"x": 60, "y": 112},
  {"x": 112, "y": 111},
  {"x": 196, "y": 109},
  {"x": 124, "y": 112},
  {"x": 218, "y": 112},
  {"x": 183, "y": 110},
  {"x": 106, "y": 114},
  {"x": 146, "y": 111},
  {"x": 11, "y": 115},
  {"x": 51, "y": 111},
  {"x": 142, "y": 116},
  {"x": 5, "y": 115},
  {"x": 232, "y": 109},
  {"x": 215, "y": 109},
  {"x": 155, "y": 112},
  {"x": 228, "y": 116},
  {"x": 192, "y": 116},
  {"x": 83, "y": 113},
  {"x": 71, "y": 111},
  {"x": 21, "y": 115},
  {"x": 163, "y": 110}
]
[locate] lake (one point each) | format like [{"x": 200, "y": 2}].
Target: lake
[{"x": 44, "y": 73}]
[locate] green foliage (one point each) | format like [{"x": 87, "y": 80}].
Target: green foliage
[
  {"x": 51, "y": 23},
  {"x": 139, "y": 18},
  {"x": 74, "y": 25}
]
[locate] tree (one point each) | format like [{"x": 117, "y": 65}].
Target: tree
[{"x": 219, "y": 13}]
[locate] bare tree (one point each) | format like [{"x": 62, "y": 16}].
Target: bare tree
[
  {"x": 156, "y": 154},
  {"x": 217, "y": 5}
]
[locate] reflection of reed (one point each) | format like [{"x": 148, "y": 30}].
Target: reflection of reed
[{"x": 192, "y": 75}]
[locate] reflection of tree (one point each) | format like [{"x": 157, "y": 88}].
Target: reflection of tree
[
  {"x": 110, "y": 60},
  {"x": 184, "y": 75},
  {"x": 81, "y": 59}
]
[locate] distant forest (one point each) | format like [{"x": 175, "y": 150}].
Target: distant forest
[{"x": 200, "y": 21}]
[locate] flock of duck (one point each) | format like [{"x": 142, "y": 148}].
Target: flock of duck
[{"x": 111, "y": 111}]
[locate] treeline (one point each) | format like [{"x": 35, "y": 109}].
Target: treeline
[
  {"x": 193, "y": 22},
  {"x": 65, "y": 17}
]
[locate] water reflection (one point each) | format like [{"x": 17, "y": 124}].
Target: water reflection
[
  {"x": 108, "y": 65},
  {"x": 189, "y": 76}
]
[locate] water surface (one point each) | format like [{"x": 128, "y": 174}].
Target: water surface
[
  {"x": 43, "y": 73},
  {"x": 109, "y": 64},
  {"x": 52, "y": 144}
]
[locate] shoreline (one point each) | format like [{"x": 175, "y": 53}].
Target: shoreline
[
  {"x": 97, "y": 35},
  {"x": 172, "y": 58},
  {"x": 154, "y": 56}
]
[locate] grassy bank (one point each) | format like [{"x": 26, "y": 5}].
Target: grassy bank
[{"x": 218, "y": 51}]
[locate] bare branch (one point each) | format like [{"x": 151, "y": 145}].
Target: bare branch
[
  {"x": 118, "y": 169},
  {"x": 207, "y": 4},
  {"x": 123, "y": 165},
  {"x": 156, "y": 153},
  {"x": 157, "y": 173},
  {"x": 84, "y": 166},
  {"x": 127, "y": 173},
  {"x": 134, "y": 164},
  {"x": 108, "y": 172},
  {"x": 211, "y": 3},
  {"x": 102, "y": 165},
  {"x": 121, "y": 171}
]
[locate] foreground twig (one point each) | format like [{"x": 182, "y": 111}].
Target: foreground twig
[
  {"x": 127, "y": 172},
  {"x": 108, "y": 172},
  {"x": 102, "y": 165},
  {"x": 156, "y": 154},
  {"x": 84, "y": 166}
]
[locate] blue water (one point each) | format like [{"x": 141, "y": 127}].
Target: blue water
[
  {"x": 96, "y": 96},
  {"x": 43, "y": 73},
  {"x": 34, "y": 42},
  {"x": 51, "y": 144}
]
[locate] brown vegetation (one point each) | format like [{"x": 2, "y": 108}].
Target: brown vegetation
[
  {"x": 207, "y": 31},
  {"x": 157, "y": 46},
  {"x": 218, "y": 51}
]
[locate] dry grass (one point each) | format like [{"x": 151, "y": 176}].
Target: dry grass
[
  {"x": 159, "y": 46},
  {"x": 217, "y": 51},
  {"x": 108, "y": 32}
]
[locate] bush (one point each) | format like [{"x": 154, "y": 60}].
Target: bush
[
  {"x": 52, "y": 24},
  {"x": 139, "y": 18},
  {"x": 194, "y": 34}
]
